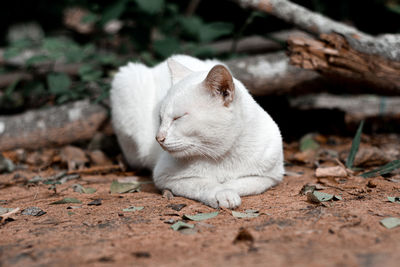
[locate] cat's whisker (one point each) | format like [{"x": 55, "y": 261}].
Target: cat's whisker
[
  {"x": 211, "y": 153},
  {"x": 204, "y": 151}
]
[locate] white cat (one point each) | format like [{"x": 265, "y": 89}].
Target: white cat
[{"x": 215, "y": 143}]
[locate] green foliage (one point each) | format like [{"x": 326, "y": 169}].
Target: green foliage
[
  {"x": 211, "y": 31},
  {"x": 114, "y": 11},
  {"x": 307, "y": 142},
  {"x": 203, "y": 32},
  {"x": 89, "y": 73},
  {"x": 166, "y": 47},
  {"x": 152, "y": 30},
  {"x": 354, "y": 146},
  {"x": 90, "y": 18},
  {"x": 10, "y": 89},
  {"x": 8, "y": 99},
  {"x": 36, "y": 59},
  {"x": 61, "y": 50},
  {"x": 16, "y": 48},
  {"x": 385, "y": 169},
  {"x": 65, "y": 49},
  {"x": 393, "y": 6},
  {"x": 150, "y": 6},
  {"x": 58, "y": 83}
]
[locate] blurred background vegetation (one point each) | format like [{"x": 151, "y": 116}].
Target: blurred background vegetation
[{"x": 72, "y": 48}]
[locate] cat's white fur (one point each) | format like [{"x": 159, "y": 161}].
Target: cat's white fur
[{"x": 214, "y": 151}]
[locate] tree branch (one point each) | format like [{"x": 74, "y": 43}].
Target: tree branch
[
  {"x": 301, "y": 17},
  {"x": 256, "y": 44},
  {"x": 379, "y": 110},
  {"x": 52, "y": 126},
  {"x": 387, "y": 46}
]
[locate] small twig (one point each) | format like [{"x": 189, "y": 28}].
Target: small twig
[
  {"x": 5, "y": 216},
  {"x": 332, "y": 186},
  {"x": 191, "y": 9},
  {"x": 349, "y": 171},
  {"x": 97, "y": 170},
  {"x": 239, "y": 34},
  {"x": 36, "y": 193},
  {"x": 167, "y": 194}
]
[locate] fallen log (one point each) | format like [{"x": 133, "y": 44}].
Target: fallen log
[
  {"x": 52, "y": 126},
  {"x": 343, "y": 51},
  {"x": 356, "y": 108},
  {"x": 333, "y": 55},
  {"x": 11, "y": 77},
  {"x": 272, "y": 74},
  {"x": 8, "y": 78}
]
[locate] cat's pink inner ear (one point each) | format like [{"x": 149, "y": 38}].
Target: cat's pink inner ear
[{"x": 219, "y": 81}]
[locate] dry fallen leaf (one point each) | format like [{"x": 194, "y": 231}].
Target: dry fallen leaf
[
  {"x": 120, "y": 188},
  {"x": 65, "y": 201},
  {"x": 95, "y": 202},
  {"x": 83, "y": 190},
  {"x": 180, "y": 225},
  {"x": 201, "y": 216},
  {"x": 304, "y": 157},
  {"x": 318, "y": 197},
  {"x": 337, "y": 171},
  {"x": 98, "y": 158},
  {"x": 6, "y": 165},
  {"x": 394, "y": 199},
  {"x": 176, "y": 207},
  {"x": 246, "y": 214},
  {"x": 167, "y": 194},
  {"x": 310, "y": 188},
  {"x": 243, "y": 236},
  {"x": 133, "y": 208},
  {"x": 390, "y": 222},
  {"x": 371, "y": 156},
  {"x": 33, "y": 211},
  {"x": 74, "y": 18},
  {"x": 74, "y": 157}
]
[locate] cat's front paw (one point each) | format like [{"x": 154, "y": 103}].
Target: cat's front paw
[{"x": 228, "y": 199}]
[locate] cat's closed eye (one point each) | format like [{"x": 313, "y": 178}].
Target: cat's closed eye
[{"x": 178, "y": 117}]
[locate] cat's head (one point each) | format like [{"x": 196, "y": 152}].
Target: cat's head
[{"x": 198, "y": 115}]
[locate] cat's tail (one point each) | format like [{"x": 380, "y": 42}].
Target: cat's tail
[{"x": 135, "y": 98}]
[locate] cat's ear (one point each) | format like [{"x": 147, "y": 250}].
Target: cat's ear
[
  {"x": 220, "y": 83},
  {"x": 177, "y": 70}
]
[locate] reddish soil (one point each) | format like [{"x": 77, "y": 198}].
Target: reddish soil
[{"x": 289, "y": 231}]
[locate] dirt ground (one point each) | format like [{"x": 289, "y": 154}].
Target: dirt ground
[{"x": 289, "y": 231}]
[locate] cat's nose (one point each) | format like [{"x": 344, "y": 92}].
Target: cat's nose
[{"x": 160, "y": 138}]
